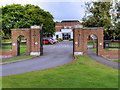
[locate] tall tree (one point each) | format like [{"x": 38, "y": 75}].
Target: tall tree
[
  {"x": 98, "y": 15},
  {"x": 17, "y": 16}
]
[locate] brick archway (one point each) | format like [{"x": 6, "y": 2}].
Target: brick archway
[
  {"x": 32, "y": 36},
  {"x": 80, "y": 39},
  {"x": 15, "y": 34}
]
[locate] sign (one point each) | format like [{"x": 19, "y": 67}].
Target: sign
[
  {"x": 14, "y": 44},
  {"x": 100, "y": 43},
  {"x": 76, "y": 43},
  {"x": 36, "y": 43}
]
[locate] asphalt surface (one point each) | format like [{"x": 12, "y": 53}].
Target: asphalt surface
[
  {"x": 54, "y": 55},
  {"x": 102, "y": 60}
]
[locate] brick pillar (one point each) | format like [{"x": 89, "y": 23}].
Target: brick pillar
[
  {"x": 78, "y": 40},
  {"x": 100, "y": 42},
  {"x": 14, "y": 43},
  {"x": 35, "y": 40}
]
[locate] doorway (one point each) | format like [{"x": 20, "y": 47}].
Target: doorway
[
  {"x": 92, "y": 44},
  {"x": 66, "y": 36},
  {"x": 21, "y": 45}
]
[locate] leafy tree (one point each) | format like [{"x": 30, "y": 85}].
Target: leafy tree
[
  {"x": 118, "y": 18},
  {"x": 17, "y": 16},
  {"x": 98, "y": 15}
]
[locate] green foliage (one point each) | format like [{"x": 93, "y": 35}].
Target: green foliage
[
  {"x": 98, "y": 14},
  {"x": 118, "y": 61},
  {"x": 59, "y": 39},
  {"x": 70, "y": 39},
  {"x": 18, "y": 16}
]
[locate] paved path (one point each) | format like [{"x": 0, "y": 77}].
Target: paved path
[
  {"x": 54, "y": 55},
  {"x": 100, "y": 59}
]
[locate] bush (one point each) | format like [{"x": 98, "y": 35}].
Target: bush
[
  {"x": 56, "y": 38},
  {"x": 70, "y": 39},
  {"x": 61, "y": 39}
]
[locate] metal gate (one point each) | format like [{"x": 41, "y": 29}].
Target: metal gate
[
  {"x": 41, "y": 41},
  {"x": 18, "y": 47}
]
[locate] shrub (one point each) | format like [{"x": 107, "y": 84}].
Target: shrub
[
  {"x": 69, "y": 39},
  {"x": 61, "y": 39}
]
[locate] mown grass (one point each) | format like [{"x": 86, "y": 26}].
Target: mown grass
[
  {"x": 82, "y": 73},
  {"x": 114, "y": 45},
  {"x": 90, "y": 43},
  {"x": 118, "y": 61},
  {"x": 22, "y": 49},
  {"x": 25, "y": 57},
  {"x": 94, "y": 49},
  {"x": 6, "y": 40}
]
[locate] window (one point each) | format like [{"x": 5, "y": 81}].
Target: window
[
  {"x": 57, "y": 36},
  {"x": 65, "y": 27}
]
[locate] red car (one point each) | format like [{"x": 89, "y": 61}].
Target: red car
[{"x": 47, "y": 41}]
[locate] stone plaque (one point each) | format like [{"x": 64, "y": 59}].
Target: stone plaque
[
  {"x": 14, "y": 44},
  {"x": 36, "y": 43},
  {"x": 76, "y": 43}
]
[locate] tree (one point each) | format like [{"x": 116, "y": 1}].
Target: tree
[
  {"x": 17, "y": 16},
  {"x": 98, "y": 15},
  {"x": 118, "y": 19}
]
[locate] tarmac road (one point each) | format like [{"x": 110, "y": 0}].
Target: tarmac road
[{"x": 53, "y": 55}]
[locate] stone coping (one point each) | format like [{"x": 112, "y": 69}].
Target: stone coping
[
  {"x": 21, "y": 29},
  {"x": 92, "y": 28}
]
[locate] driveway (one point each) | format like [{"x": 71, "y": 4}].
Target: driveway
[
  {"x": 102, "y": 60},
  {"x": 53, "y": 55}
]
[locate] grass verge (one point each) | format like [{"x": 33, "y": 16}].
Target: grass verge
[
  {"x": 25, "y": 57},
  {"x": 22, "y": 49},
  {"x": 118, "y": 61},
  {"x": 7, "y": 40},
  {"x": 82, "y": 73}
]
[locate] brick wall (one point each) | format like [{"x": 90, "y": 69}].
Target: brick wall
[
  {"x": 6, "y": 52},
  {"x": 111, "y": 52},
  {"x": 60, "y": 26}
]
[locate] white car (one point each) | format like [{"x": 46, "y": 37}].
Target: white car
[{"x": 54, "y": 40}]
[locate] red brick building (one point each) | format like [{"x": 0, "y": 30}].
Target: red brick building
[{"x": 64, "y": 29}]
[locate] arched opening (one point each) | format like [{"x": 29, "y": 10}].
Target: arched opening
[
  {"x": 21, "y": 45},
  {"x": 92, "y": 44}
]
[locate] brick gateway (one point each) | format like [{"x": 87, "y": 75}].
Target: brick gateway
[
  {"x": 34, "y": 40},
  {"x": 32, "y": 36},
  {"x": 80, "y": 41}
]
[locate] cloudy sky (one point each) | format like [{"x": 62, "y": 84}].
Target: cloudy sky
[{"x": 60, "y": 9}]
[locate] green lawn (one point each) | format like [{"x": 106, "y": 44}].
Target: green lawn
[
  {"x": 114, "y": 45},
  {"x": 94, "y": 49},
  {"x": 118, "y": 61},
  {"x": 25, "y": 57},
  {"x": 6, "y": 40},
  {"x": 82, "y": 73},
  {"x": 90, "y": 43},
  {"x": 22, "y": 49}
]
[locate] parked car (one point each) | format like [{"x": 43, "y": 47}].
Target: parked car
[
  {"x": 54, "y": 40},
  {"x": 47, "y": 41}
]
